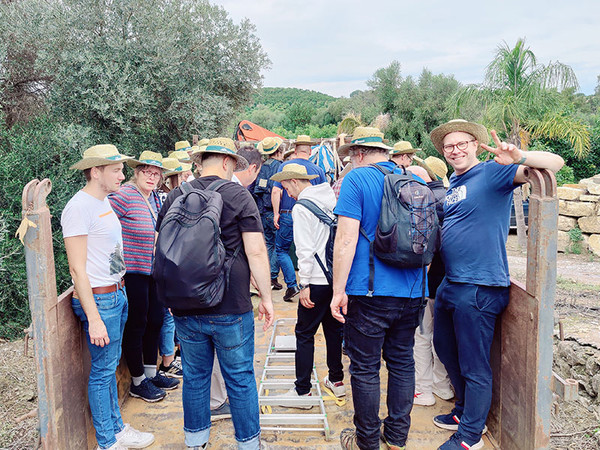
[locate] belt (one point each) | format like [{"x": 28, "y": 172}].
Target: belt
[
  {"x": 285, "y": 211},
  {"x": 105, "y": 289}
]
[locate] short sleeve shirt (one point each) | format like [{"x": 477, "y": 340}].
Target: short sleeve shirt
[
  {"x": 85, "y": 215},
  {"x": 360, "y": 199},
  {"x": 476, "y": 220},
  {"x": 239, "y": 215},
  {"x": 287, "y": 202}
]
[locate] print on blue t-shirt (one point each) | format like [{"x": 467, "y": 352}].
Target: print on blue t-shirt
[
  {"x": 287, "y": 202},
  {"x": 475, "y": 228},
  {"x": 360, "y": 199}
]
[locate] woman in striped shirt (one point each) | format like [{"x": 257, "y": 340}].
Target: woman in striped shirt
[{"x": 136, "y": 205}]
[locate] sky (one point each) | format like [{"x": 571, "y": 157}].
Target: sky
[{"x": 335, "y": 46}]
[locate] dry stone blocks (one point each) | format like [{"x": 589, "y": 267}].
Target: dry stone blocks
[
  {"x": 569, "y": 193},
  {"x": 566, "y": 223},
  {"x": 589, "y": 224}
]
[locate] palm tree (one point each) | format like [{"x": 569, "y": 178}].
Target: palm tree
[{"x": 521, "y": 97}]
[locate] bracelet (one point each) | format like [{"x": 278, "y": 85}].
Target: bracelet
[{"x": 521, "y": 161}]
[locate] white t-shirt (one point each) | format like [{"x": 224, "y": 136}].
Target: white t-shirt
[{"x": 85, "y": 215}]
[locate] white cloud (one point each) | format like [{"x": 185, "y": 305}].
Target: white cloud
[{"x": 335, "y": 46}]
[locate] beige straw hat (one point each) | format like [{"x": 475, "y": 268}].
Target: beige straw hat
[
  {"x": 181, "y": 155},
  {"x": 364, "y": 137},
  {"x": 435, "y": 167},
  {"x": 303, "y": 139},
  {"x": 403, "y": 148},
  {"x": 221, "y": 146},
  {"x": 182, "y": 145},
  {"x": 147, "y": 158},
  {"x": 478, "y": 131},
  {"x": 100, "y": 155},
  {"x": 269, "y": 145},
  {"x": 173, "y": 166},
  {"x": 293, "y": 171}
]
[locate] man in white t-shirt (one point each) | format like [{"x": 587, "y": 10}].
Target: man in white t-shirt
[{"x": 94, "y": 246}]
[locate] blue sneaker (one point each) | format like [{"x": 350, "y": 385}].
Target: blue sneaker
[
  {"x": 147, "y": 391},
  {"x": 450, "y": 422},
  {"x": 458, "y": 442},
  {"x": 163, "y": 382}
]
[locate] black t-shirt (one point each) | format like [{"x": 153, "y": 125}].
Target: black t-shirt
[{"x": 239, "y": 215}]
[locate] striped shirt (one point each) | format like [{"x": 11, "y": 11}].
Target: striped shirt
[{"x": 138, "y": 226}]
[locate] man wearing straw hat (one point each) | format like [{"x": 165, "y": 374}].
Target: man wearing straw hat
[
  {"x": 228, "y": 327},
  {"x": 475, "y": 289},
  {"x": 271, "y": 148},
  {"x": 94, "y": 245},
  {"x": 380, "y": 313},
  {"x": 282, "y": 213},
  {"x": 403, "y": 153},
  {"x": 311, "y": 236}
]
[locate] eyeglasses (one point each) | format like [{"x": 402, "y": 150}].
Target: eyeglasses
[
  {"x": 462, "y": 145},
  {"x": 150, "y": 173}
]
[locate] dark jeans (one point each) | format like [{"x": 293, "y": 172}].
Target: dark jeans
[
  {"x": 308, "y": 323},
  {"x": 283, "y": 242},
  {"x": 145, "y": 319},
  {"x": 375, "y": 325},
  {"x": 270, "y": 233},
  {"x": 464, "y": 320}
]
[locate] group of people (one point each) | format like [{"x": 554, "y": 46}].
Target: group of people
[{"x": 366, "y": 306}]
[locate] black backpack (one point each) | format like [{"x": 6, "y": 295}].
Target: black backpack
[
  {"x": 190, "y": 265},
  {"x": 407, "y": 232},
  {"x": 327, "y": 268}
]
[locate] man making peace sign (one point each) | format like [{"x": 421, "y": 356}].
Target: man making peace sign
[{"x": 475, "y": 289}]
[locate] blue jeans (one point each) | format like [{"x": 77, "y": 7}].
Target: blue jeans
[
  {"x": 232, "y": 337},
  {"x": 166, "y": 341},
  {"x": 103, "y": 395},
  {"x": 283, "y": 242},
  {"x": 463, "y": 329},
  {"x": 375, "y": 325},
  {"x": 270, "y": 234}
]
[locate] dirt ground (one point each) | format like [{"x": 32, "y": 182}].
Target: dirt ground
[{"x": 575, "y": 425}]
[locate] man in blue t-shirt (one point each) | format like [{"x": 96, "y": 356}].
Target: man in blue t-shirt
[
  {"x": 475, "y": 289},
  {"x": 282, "y": 213},
  {"x": 384, "y": 320}
]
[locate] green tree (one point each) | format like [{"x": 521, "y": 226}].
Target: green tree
[
  {"x": 386, "y": 83},
  {"x": 520, "y": 97}
]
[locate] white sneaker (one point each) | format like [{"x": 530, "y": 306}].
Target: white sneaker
[
  {"x": 424, "y": 399},
  {"x": 338, "y": 388},
  {"x": 444, "y": 394},
  {"x": 129, "y": 437},
  {"x": 293, "y": 393},
  {"x": 115, "y": 446}
]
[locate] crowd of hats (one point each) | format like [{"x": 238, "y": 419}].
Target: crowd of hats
[{"x": 180, "y": 159}]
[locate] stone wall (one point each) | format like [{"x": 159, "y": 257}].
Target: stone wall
[
  {"x": 582, "y": 363},
  {"x": 579, "y": 206}
]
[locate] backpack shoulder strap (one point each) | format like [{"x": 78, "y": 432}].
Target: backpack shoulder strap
[
  {"x": 215, "y": 185},
  {"x": 316, "y": 210},
  {"x": 383, "y": 170},
  {"x": 185, "y": 188}
]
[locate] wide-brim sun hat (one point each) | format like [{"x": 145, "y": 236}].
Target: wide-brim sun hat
[
  {"x": 269, "y": 145},
  {"x": 403, "y": 148},
  {"x": 476, "y": 130},
  {"x": 303, "y": 139},
  {"x": 147, "y": 158},
  {"x": 100, "y": 155},
  {"x": 202, "y": 142},
  {"x": 364, "y": 137},
  {"x": 221, "y": 146},
  {"x": 435, "y": 167},
  {"x": 173, "y": 166},
  {"x": 293, "y": 171},
  {"x": 181, "y": 155},
  {"x": 182, "y": 145}
]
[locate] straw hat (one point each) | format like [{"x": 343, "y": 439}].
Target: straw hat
[
  {"x": 293, "y": 171},
  {"x": 435, "y": 167},
  {"x": 181, "y": 155},
  {"x": 173, "y": 166},
  {"x": 147, "y": 158},
  {"x": 403, "y": 148},
  {"x": 303, "y": 139},
  {"x": 182, "y": 145},
  {"x": 202, "y": 142},
  {"x": 221, "y": 146},
  {"x": 99, "y": 155},
  {"x": 364, "y": 137},
  {"x": 478, "y": 131},
  {"x": 269, "y": 145}
]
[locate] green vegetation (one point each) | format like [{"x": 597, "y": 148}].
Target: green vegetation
[{"x": 576, "y": 237}]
